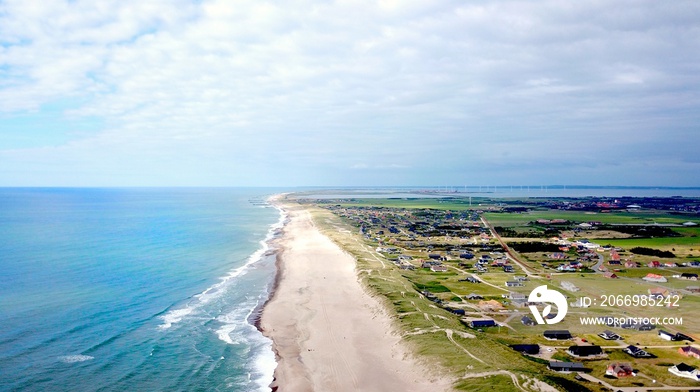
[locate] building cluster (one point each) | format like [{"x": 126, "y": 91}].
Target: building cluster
[
  {"x": 437, "y": 242},
  {"x": 617, "y": 369}
]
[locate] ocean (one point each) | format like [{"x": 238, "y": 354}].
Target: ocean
[{"x": 135, "y": 289}]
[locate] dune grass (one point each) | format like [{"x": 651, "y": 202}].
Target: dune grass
[{"x": 425, "y": 326}]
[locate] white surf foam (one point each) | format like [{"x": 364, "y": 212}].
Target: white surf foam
[
  {"x": 215, "y": 291},
  {"x": 224, "y": 333},
  {"x": 237, "y": 320},
  {"x": 174, "y": 317},
  {"x": 265, "y": 364},
  {"x": 75, "y": 358}
]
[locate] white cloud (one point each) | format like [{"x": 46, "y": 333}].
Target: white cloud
[{"x": 316, "y": 87}]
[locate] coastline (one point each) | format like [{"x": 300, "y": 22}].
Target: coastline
[
  {"x": 271, "y": 248},
  {"x": 328, "y": 333}
]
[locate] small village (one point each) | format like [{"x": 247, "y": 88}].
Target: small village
[{"x": 481, "y": 269}]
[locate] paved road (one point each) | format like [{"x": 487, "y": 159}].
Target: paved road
[{"x": 600, "y": 262}]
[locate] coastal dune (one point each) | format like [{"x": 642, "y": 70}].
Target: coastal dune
[{"x": 328, "y": 334}]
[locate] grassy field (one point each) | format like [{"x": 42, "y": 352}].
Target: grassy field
[
  {"x": 434, "y": 333},
  {"x": 432, "y": 203},
  {"x": 666, "y": 243},
  {"x": 632, "y": 218},
  {"x": 426, "y": 326}
]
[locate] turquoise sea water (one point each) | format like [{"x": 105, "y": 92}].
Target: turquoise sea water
[{"x": 134, "y": 289}]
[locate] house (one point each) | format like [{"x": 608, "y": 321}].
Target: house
[
  {"x": 499, "y": 263},
  {"x": 521, "y": 278},
  {"x": 511, "y": 283},
  {"x": 693, "y": 289},
  {"x": 639, "y": 326},
  {"x": 557, "y": 335},
  {"x": 631, "y": 264},
  {"x": 585, "y": 351},
  {"x": 689, "y": 276},
  {"x": 472, "y": 279},
  {"x": 609, "y": 335},
  {"x": 438, "y": 268},
  {"x": 619, "y": 370},
  {"x": 513, "y": 296},
  {"x": 566, "y": 366},
  {"x": 670, "y": 264},
  {"x": 614, "y": 256},
  {"x": 681, "y": 337},
  {"x": 434, "y": 256},
  {"x": 690, "y": 351},
  {"x": 517, "y": 299},
  {"x": 566, "y": 268},
  {"x": 658, "y": 292},
  {"x": 550, "y": 316},
  {"x": 484, "y": 323},
  {"x": 654, "y": 264},
  {"x": 526, "y": 320},
  {"x": 637, "y": 352},
  {"x": 683, "y": 370},
  {"x": 557, "y": 256},
  {"x": 610, "y": 275},
  {"x": 456, "y": 311},
  {"x": 532, "y": 349},
  {"x": 576, "y": 264},
  {"x": 666, "y": 335},
  {"x": 655, "y": 278},
  {"x": 473, "y": 296},
  {"x": 508, "y": 268},
  {"x": 427, "y": 294},
  {"x": 467, "y": 256}
]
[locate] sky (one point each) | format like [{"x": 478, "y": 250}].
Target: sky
[{"x": 353, "y": 93}]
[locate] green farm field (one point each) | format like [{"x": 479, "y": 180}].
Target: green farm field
[
  {"x": 632, "y": 218},
  {"x": 431, "y": 203}
]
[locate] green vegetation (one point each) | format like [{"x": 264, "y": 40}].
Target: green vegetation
[
  {"x": 433, "y": 287},
  {"x": 413, "y": 203},
  {"x": 528, "y": 247},
  {"x": 406, "y": 232},
  {"x": 566, "y": 383},
  {"x": 652, "y": 252}
]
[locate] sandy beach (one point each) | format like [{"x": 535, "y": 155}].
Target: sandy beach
[{"x": 327, "y": 332}]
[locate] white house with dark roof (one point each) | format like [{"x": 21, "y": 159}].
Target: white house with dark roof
[
  {"x": 686, "y": 371},
  {"x": 665, "y": 335}
]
